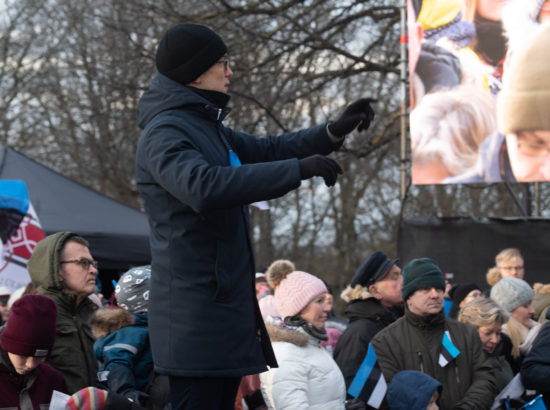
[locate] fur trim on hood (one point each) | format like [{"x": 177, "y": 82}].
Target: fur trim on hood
[
  {"x": 541, "y": 288},
  {"x": 357, "y": 292},
  {"x": 281, "y": 334},
  {"x": 107, "y": 321}
]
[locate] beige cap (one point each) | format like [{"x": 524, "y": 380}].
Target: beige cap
[{"x": 524, "y": 100}]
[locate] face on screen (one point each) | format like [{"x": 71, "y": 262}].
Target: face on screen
[
  {"x": 491, "y": 9},
  {"x": 529, "y": 154}
]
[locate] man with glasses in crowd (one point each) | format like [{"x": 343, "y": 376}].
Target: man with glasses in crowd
[
  {"x": 62, "y": 268},
  {"x": 520, "y": 150}
]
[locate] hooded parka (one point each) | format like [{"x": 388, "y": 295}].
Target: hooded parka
[
  {"x": 72, "y": 353},
  {"x": 204, "y": 318},
  {"x": 414, "y": 342}
]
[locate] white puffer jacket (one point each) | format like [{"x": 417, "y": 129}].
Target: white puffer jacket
[{"x": 307, "y": 377}]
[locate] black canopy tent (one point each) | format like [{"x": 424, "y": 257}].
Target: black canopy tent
[{"x": 118, "y": 234}]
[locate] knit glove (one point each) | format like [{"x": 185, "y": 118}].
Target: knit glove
[
  {"x": 320, "y": 166},
  {"x": 358, "y": 114}
]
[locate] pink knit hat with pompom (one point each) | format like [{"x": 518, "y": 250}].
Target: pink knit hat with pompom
[{"x": 296, "y": 291}]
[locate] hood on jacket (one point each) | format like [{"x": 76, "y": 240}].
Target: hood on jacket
[
  {"x": 411, "y": 389},
  {"x": 107, "y": 321},
  {"x": 43, "y": 265},
  {"x": 166, "y": 94},
  {"x": 284, "y": 334}
]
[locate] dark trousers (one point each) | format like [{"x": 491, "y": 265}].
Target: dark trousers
[{"x": 203, "y": 393}]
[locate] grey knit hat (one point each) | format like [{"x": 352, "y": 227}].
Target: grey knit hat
[
  {"x": 511, "y": 292},
  {"x": 132, "y": 289}
]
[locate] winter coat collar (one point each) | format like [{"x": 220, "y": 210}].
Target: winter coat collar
[
  {"x": 429, "y": 322},
  {"x": 165, "y": 94},
  {"x": 285, "y": 334},
  {"x": 107, "y": 321},
  {"x": 372, "y": 309}
]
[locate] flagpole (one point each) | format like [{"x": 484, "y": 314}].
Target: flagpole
[{"x": 403, "y": 41}]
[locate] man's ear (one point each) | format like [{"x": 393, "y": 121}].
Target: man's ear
[
  {"x": 374, "y": 291},
  {"x": 197, "y": 80}
]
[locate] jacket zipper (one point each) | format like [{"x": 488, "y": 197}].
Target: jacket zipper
[{"x": 421, "y": 361}]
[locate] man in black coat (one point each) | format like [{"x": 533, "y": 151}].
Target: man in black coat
[
  {"x": 197, "y": 177},
  {"x": 374, "y": 301}
]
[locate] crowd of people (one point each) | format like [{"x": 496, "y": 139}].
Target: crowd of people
[
  {"x": 201, "y": 329},
  {"x": 396, "y": 348}
]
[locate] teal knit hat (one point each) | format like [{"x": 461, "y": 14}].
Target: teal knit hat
[{"x": 421, "y": 273}]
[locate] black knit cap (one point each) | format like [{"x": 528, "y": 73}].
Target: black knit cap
[
  {"x": 419, "y": 274},
  {"x": 187, "y": 50},
  {"x": 372, "y": 269}
]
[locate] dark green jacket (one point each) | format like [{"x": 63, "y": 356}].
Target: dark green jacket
[
  {"x": 72, "y": 353},
  {"x": 414, "y": 343}
]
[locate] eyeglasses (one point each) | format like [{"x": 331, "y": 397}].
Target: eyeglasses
[
  {"x": 531, "y": 145},
  {"x": 225, "y": 63},
  {"x": 84, "y": 262},
  {"x": 511, "y": 267}
]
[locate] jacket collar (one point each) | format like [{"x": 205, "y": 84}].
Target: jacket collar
[
  {"x": 372, "y": 309},
  {"x": 429, "y": 322}
]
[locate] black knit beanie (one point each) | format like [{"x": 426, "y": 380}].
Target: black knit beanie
[
  {"x": 421, "y": 273},
  {"x": 187, "y": 50}
]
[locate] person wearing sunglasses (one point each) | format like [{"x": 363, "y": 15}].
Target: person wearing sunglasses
[
  {"x": 520, "y": 150},
  {"x": 197, "y": 177},
  {"x": 62, "y": 268}
]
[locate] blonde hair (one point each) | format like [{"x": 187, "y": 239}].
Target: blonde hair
[
  {"x": 517, "y": 333},
  {"x": 448, "y": 126},
  {"x": 482, "y": 312},
  {"x": 506, "y": 255}
]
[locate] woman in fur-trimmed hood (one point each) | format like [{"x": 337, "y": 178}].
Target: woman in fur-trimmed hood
[{"x": 307, "y": 377}]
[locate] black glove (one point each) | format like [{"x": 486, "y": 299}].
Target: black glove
[
  {"x": 320, "y": 166},
  {"x": 356, "y": 114},
  {"x": 355, "y": 404}
]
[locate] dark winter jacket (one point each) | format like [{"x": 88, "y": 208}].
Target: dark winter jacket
[
  {"x": 72, "y": 353},
  {"x": 492, "y": 164},
  {"x": 126, "y": 361},
  {"x": 414, "y": 343},
  {"x": 366, "y": 318},
  {"x": 204, "y": 318},
  {"x": 501, "y": 360},
  {"x": 535, "y": 368},
  {"x": 32, "y": 391}
]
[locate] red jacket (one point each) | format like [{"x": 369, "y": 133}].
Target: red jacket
[{"x": 28, "y": 392}]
